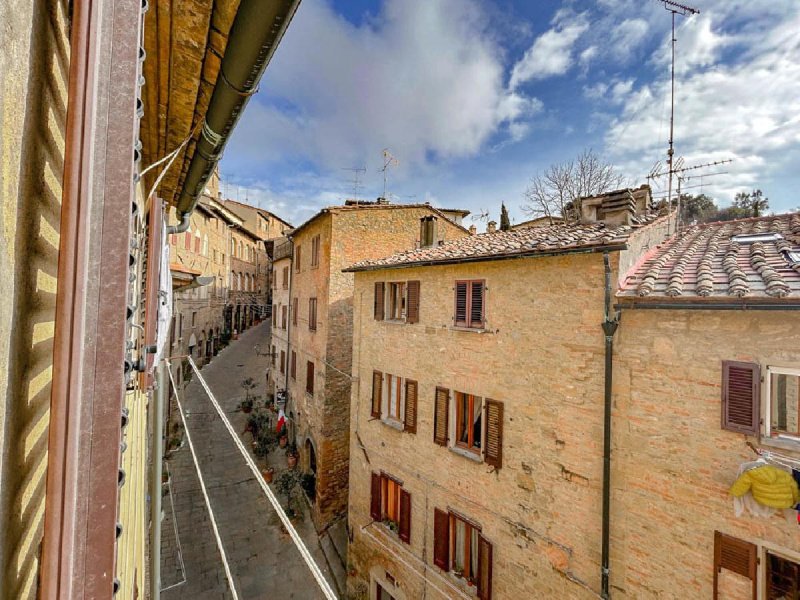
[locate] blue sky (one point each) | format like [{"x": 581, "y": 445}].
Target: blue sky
[{"x": 474, "y": 98}]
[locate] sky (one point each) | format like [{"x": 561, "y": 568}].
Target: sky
[{"x": 473, "y": 98}]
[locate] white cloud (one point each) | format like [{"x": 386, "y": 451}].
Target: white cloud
[
  {"x": 588, "y": 55},
  {"x": 425, "y": 79},
  {"x": 551, "y": 53},
  {"x": 627, "y": 37}
]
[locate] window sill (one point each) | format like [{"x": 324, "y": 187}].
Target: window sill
[
  {"x": 473, "y": 456},
  {"x": 470, "y": 329},
  {"x": 782, "y": 443},
  {"x": 393, "y": 423},
  {"x": 395, "y": 321}
]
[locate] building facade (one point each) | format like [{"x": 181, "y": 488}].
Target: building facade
[
  {"x": 283, "y": 359},
  {"x": 321, "y": 326},
  {"x": 477, "y": 424}
]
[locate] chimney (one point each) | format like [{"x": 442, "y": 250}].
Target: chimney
[
  {"x": 381, "y": 200},
  {"x": 619, "y": 207},
  {"x": 491, "y": 227},
  {"x": 472, "y": 229}
]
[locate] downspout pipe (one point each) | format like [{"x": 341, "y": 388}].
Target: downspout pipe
[
  {"x": 182, "y": 225},
  {"x": 157, "y": 454},
  {"x": 610, "y": 325},
  {"x": 255, "y": 34}
]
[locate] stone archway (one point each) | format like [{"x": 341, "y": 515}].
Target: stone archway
[{"x": 310, "y": 462}]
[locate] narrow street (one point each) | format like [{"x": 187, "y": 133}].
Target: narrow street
[{"x": 263, "y": 560}]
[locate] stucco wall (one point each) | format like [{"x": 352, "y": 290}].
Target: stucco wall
[
  {"x": 672, "y": 462},
  {"x": 542, "y": 355},
  {"x": 34, "y": 63}
]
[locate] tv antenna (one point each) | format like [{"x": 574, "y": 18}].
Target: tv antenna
[
  {"x": 357, "y": 171},
  {"x": 676, "y": 9},
  {"x": 388, "y": 161}
]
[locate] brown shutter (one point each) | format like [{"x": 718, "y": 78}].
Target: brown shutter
[
  {"x": 461, "y": 304},
  {"x": 412, "y": 311},
  {"x": 379, "y": 292},
  {"x": 404, "y": 527},
  {"x": 737, "y": 556},
  {"x": 375, "y": 499},
  {"x": 293, "y": 368},
  {"x": 484, "y": 569},
  {"x": 295, "y": 310},
  {"x": 441, "y": 539},
  {"x": 476, "y": 304},
  {"x": 310, "y": 378},
  {"x": 410, "y": 418},
  {"x": 377, "y": 388},
  {"x": 494, "y": 433},
  {"x": 741, "y": 383},
  {"x": 440, "y": 414}
]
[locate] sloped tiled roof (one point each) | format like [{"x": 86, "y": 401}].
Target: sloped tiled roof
[
  {"x": 522, "y": 242},
  {"x": 749, "y": 258}
]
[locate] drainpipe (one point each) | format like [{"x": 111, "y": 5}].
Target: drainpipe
[
  {"x": 610, "y": 324},
  {"x": 182, "y": 225},
  {"x": 157, "y": 453},
  {"x": 255, "y": 34}
]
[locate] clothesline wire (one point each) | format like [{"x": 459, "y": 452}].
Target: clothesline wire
[{"x": 769, "y": 455}]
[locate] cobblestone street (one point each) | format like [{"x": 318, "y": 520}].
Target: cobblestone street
[{"x": 263, "y": 560}]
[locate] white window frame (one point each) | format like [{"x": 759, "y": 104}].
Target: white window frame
[
  {"x": 386, "y": 392},
  {"x": 390, "y": 296},
  {"x": 772, "y": 370}
]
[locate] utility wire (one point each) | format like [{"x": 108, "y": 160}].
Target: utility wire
[
  {"x": 298, "y": 542},
  {"x": 202, "y": 483}
]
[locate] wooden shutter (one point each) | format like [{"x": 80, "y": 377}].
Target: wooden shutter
[
  {"x": 404, "y": 526},
  {"x": 737, "y": 556},
  {"x": 462, "y": 291},
  {"x": 494, "y": 433},
  {"x": 310, "y": 378},
  {"x": 476, "y": 304},
  {"x": 295, "y": 310},
  {"x": 293, "y": 367},
  {"x": 379, "y": 299},
  {"x": 441, "y": 539},
  {"x": 377, "y": 388},
  {"x": 741, "y": 384},
  {"x": 410, "y": 418},
  {"x": 484, "y": 569},
  {"x": 375, "y": 499},
  {"x": 440, "y": 416},
  {"x": 412, "y": 310}
]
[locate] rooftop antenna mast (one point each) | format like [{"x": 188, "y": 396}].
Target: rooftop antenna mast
[
  {"x": 676, "y": 9},
  {"x": 357, "y": 171},
  {"x": 388, "y": 161}
]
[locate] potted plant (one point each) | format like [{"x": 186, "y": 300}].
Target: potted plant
[
  {"x": 246, "y": 405},
  {"x": 291, "y": 455},
  {"x": 458, "y": 572},
  {"x": 287, "y": 484},
  {"x": 267, "y": 473},
  {"x": 283, "y": 437}
]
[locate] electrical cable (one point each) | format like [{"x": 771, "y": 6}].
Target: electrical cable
[
  {"x": 202, "y": 483},
  {"x": 175, "y": 528},
  {"x": 298, "y": 542}
]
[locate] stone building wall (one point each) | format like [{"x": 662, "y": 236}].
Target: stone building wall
[
  {"x": 672, "y": 462},
  {"x": 34, "y": 66},
  {"x": 542, "y": 356},
  {"x": 280, "y": 334}
]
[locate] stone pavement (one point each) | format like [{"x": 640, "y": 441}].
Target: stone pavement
[{"x": 263, "y": 560}]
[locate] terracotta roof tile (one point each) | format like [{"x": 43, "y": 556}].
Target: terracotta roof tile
[
  {"x": 521, "y": 242},
  {"x": 748, "y": 258}
]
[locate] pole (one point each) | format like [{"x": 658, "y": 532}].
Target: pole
[
  {"x": 157, "y": 454},
  {"x": 671, "y": 150}
]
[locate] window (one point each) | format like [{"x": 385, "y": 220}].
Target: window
[
  {"x": 470, "y": 424},
  {"x": 216, "y": 255},
  {"x": 205, "y": 245},
  {"x": 312, "y": 314},
  {"x": 427, "y": 231},
  {"x": 295, "y": 310},
  {"x": 284, "y": 316},
  {"x": 283, "y": 362},
  {"x": 315, "y": 251},
  {"x": 274, "y": 315},
  {"x": 469, "y": 304},
  {"x": 390, "y": 503},
  {"x": 187, "y": 240},
  {"x": 382, "y": 594},
  {"x": 194, "y": 318},
  {"x": 197, "y": 242},
  {"x": 782, "y": 577},
  {"x": 293, "y": 365},
  {"x": 460, "y": 547},
  {"x": 297, "y": 258},
  {"x": 310, "y": 378},
  {"x": 173, "y": 239},
  {"x": 397, "y": 301},
  {"x": 783, "y": 402},
  {"x": 395, "y": 399},
  {"x": 286, "y": 278},
  {"x": 273, "y": 354}
]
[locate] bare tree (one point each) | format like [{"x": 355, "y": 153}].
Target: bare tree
[{"x": 554, "y": 191}]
